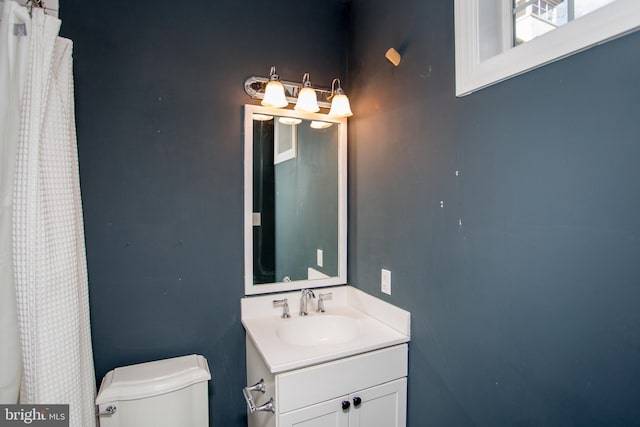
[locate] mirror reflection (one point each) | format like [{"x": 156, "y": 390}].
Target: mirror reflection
[{"x": 297, "y": 199}]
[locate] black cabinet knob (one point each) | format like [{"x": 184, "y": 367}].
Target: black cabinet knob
[
  {"x": 345, "y": 404},
  {"x": 357, "y": 401}
]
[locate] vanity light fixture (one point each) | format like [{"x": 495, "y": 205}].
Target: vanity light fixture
[
  {"x": 274, "y": 92},
  {"x": 340, "y": 103},
  {"x": 307, "y": 99}
]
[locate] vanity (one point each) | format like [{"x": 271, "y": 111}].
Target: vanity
[
  {"x": 319, "y": 353},
  {"x": 344, "y": 367}
]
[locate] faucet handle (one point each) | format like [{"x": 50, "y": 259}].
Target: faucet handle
[
  {"x": 285, "y": 307},
  {"x": 321, "y": 298}
]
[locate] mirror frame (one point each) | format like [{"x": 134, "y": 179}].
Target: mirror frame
[{"x": 249, "y": 287}]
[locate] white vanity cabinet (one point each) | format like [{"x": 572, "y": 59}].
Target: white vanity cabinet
[
  {"x": 368, "y": 389},
  {"x": 346, "y": 366},
  {"x": 383, "y": 406}
]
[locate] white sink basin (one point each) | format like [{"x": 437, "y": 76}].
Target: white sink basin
[
  {"x": 354, "y": 323},
  {"x": 319, "y": 329}
]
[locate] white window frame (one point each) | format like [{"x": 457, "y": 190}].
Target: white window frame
[{"x": 610, "y": 21}]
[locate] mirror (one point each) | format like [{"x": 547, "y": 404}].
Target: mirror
[{"x": 295, "y": 201}]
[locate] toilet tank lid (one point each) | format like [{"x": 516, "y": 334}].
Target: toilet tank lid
[{"x": 152, "y": 378}]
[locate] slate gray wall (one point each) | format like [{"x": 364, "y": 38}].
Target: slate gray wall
[
  {"x": 526, "y": 314},
  {"x": 159, "y": 95}
]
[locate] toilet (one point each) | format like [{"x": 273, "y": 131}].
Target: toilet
[{"x": 164, "y": 393}]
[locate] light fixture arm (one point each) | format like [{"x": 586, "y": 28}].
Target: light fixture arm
[
  {"x": 306, "y": 81},
  {"x": 334, "y": 90},
  {"x": 273, "y": 77}
]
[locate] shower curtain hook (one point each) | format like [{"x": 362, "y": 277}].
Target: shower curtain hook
[{"x": 35, "y": 3}]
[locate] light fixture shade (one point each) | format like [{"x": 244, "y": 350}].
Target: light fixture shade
[
  {"x": 340, "y": 106},
  {"x": 274, "y": 95},
  {"x": 307, "y": 101}
]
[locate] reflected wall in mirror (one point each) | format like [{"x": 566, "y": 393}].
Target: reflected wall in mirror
[{"x": 295, "y": 200}]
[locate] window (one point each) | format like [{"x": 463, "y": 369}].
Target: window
[
  {"x": 533, "y": 18},
  {"x": 499, "y": 39}
]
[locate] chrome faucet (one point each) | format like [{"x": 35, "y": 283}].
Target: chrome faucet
[{"x": 304, "y": 298}]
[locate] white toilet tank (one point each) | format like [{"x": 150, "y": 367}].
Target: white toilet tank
[{"x": 164, "y": 393}]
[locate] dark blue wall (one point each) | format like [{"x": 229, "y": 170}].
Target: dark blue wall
[
  {"x": 524, "y": 315},
  {"x": 159, "y": 95},
  {"x": 527, "y": 313}
]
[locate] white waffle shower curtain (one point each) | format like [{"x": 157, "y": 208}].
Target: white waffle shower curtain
[
  {"x": 13, "y": 53},
  {"x": 50, "y": 272}
]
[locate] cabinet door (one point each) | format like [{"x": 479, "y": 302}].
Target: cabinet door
[
  {"x": 325, "y": 414},
  {"x": 381, "y": 406}
]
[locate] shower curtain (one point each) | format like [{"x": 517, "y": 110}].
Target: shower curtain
[
  {"x": 13, "y": 54},
  {"x": 50, "y": 272}
]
